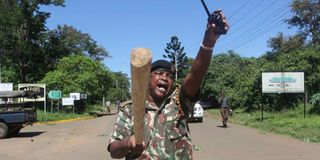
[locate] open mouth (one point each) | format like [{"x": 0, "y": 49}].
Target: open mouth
[{"x": 162, "y": 87}]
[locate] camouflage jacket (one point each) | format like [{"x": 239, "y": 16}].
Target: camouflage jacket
[{"x": 166, "y": 132}]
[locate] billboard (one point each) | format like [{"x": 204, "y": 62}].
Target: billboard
[
  {"x": 75, "y": 96},
  {"x": 283, "y": 82},
  {"x": 39, "y": 88},
  {"x": 67, "y": 101},
  {"x": 6, "y": 86}
]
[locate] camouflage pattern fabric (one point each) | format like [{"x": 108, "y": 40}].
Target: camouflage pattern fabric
[{"x": 166, "y": 132}]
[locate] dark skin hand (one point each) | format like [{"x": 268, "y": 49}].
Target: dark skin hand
[
  {"x": 161, "y": 86},
  {"x": 199, "y": 68},
  {"x": 119, "y": 149}
]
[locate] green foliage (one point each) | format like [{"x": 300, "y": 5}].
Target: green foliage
[
  {"x": 41, "y": 117},
  {"x": 30, "y": 53},
  {"x": 80, "y": 74},
  {"x": 291, "y": 54},
  {"x": 307, "y": 18},
  {"x": 66, "y": 40},
  {"x": 8, "y": 74},
  {"x": 282, "y": 43},
  {"x": 229, "y": 72},
  {"x": 177, "y": 56},
  {"x": 29, "y": 49},
  {"x": 120, "y": 87},
  {"x": 315, "y": 101},
  {"x": 240, "y": 77},
  {"x": 22, "y": 24}
]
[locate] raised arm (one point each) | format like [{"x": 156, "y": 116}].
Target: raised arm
[{"x": 201, "y": 63}]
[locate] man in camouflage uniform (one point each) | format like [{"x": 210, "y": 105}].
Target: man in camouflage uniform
[{"x": 166, "y": 133}]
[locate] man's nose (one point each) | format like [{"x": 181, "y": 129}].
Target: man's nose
[{"x": 164, "y": 76}]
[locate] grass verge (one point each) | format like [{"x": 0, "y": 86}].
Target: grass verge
[
  {"x": 41, "y": 117},
  {"x": 67, "y": 114}
]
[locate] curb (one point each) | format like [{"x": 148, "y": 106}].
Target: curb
[{"x": 65, "y": 120}]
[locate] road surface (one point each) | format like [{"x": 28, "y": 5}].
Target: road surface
[{"x": 87, "y": 139}]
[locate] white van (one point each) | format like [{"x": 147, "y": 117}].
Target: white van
[{"x": 197, "y": 113}]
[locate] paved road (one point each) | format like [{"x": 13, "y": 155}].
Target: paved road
[
  {"x": 87, "y": 139},
  {"x": 241, "y": 143}
]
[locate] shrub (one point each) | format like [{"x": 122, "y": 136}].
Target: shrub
[{"x": 315, "y": 101}]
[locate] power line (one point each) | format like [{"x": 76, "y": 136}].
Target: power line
[
  {"x": 256, "y": 32},
  {"x": 267, "y": 19},
  {"x": 238, "y": 9},
  {"x": 254, "y": 16},
  {"x": 247, "y": 13},
  {"x": 260, "y": 24},
  {"x": 269, "y": 29},
  {"x": 242, "y": 6}
]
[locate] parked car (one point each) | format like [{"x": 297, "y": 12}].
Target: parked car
[
  {"x": 16, "y": 114},
  {"x": 197, "y": 113},
  {"x": 206, "y": 104}
]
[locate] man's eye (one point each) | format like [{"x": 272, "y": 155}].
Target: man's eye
[{"x": 157, "y": 73}]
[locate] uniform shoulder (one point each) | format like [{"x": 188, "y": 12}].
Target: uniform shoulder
[
  {"x": 125, "y": 104},
  {"x": 177, "y": 88}
]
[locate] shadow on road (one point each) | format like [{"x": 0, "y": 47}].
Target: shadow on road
[
  {"x": 27, "y": 134},
  {"x": 221, "y": 126},
  {"x": 100, "y": 114}
]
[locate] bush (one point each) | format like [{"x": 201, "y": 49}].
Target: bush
[{"x": 315, "y": 101}]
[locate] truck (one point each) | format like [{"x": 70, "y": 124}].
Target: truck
[{"x": 15, "y": 113}]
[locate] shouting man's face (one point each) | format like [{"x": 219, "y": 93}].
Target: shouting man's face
[{"x": 161, "y": 84}]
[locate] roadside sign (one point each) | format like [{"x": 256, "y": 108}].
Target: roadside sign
[
  {"x": 83, "y": 96},
  {"x": 283, "y": 82},
  {"x": 40, "y": 89},
  {"x": 75, "y": 96},
  {"x": 67, "y": 102},
  {"x": 54, "y": 94},
  {"x": 6, "y": 86}
]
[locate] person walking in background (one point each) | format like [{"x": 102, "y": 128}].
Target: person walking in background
[
  {"x": 108, "y": 105},
  {"x": 224, "y": 108},
  {"x": 118, "y": 103}
]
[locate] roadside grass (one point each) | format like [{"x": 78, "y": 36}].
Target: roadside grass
[
  {"x": 42, "y": 117},
  {"x": 291, "y": 122},
  {"x": 67, "y": 114}
]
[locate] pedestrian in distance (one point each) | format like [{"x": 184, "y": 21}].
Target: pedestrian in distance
[
  {"x": 108, "y": 105},
  {"x": 118, "y": 104},
  {"x": 166, "y": 132},
  {"x": 224, "y": 108}
]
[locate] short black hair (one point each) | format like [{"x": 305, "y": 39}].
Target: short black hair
[{"x": 162, "y": 64}]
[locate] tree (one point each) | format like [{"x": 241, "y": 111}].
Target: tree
[
  {"x": 120, "y": 87},
  {"x": 22, "y": 23},
  {"x": 229, "y": 73},
  {"x": 66, "y": 40},
  {"x": 78, "y": 73},
  {"x": 177, "y": 56},
  {"x": 28, "y": 49},
  {"x": 285, "y": 44},
  {"x": 307, "y": 18}
]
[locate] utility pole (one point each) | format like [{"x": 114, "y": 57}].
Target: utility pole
[
  {"x": 103, "y": 97},
  {"x": 117, "y": 83},
  {"x": 176, "y": 67},
  {"x": 0, "y": 72}
]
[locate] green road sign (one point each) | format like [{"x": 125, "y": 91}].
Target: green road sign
[{"x": 54, "y": 94}]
